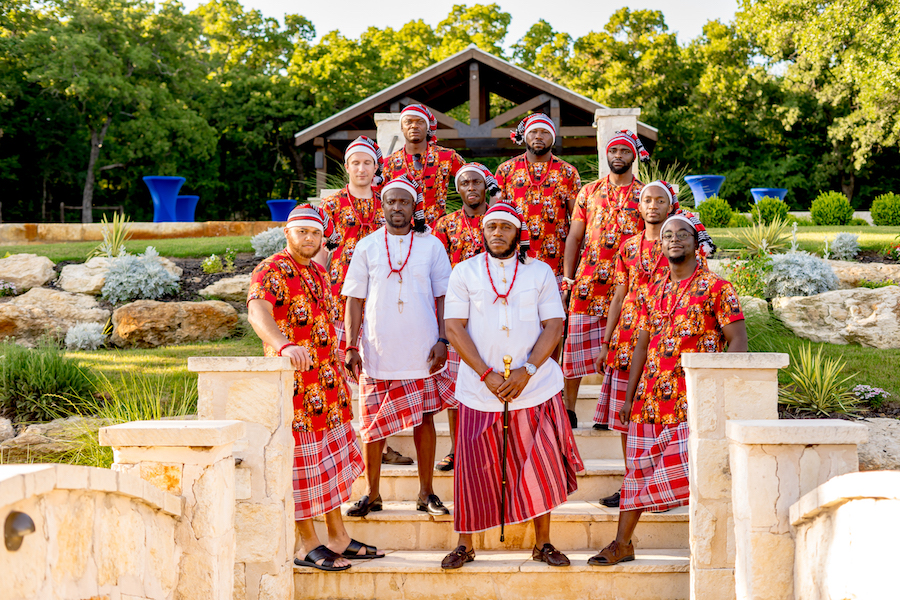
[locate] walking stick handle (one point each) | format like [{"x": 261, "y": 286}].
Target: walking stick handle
[{"x": 507, "y": 361}]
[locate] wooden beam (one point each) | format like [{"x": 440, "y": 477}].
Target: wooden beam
[
  {"x": 351, "y": 134},
  {"x": 556, "y": 117},
  {"x": 474, "y": 95},
  {"x": 438, "y": 115},
  {"x": 521, "y": 109},
  {"x": 578, "y": 131}
]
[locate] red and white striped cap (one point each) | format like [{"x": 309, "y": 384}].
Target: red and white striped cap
[
  {"x": 628, "y": 138},
  {"x": 307, "y": 215},
  {"x": 366, "y": 146},
  {"x": 504, "y": 210},
  {"x": 421, "y": 111},
  {"x": 531, "y": 122}
]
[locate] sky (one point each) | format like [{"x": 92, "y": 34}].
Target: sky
[{"x": 575, "y": 17}]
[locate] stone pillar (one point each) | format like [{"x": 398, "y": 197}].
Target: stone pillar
[
  {"x": 259, "y": 392},
  {"x": 608, "y": 120},
  {"x": 389, "y": 137},
  {"x": 720, "y": 386},
  {"x": 772, "y": 465},
  {"x": 194, "y": 460}
]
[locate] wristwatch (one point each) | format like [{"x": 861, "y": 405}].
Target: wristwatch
[{"x": 530, "y": 369}]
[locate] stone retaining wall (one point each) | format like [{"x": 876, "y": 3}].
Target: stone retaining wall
[{"x": 42, "y": 233}]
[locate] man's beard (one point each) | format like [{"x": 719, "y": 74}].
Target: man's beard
[
  {"x": 540, "y": 152},
  {"x": 510, "y": 250},
  {"x": 303, "y": 252},
  {"x": 678, "y": 259},
  {"x": 620, "y": 170}
]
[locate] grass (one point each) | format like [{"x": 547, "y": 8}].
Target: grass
[
  {"x": 812, "y": 239},
  {"x": 171, "y": 248}
]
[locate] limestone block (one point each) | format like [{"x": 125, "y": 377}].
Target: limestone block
[
  {"x": 162, "y": 554},
  {"x": 234, "y": 288},
  {"x": 7, "y": 431},
  {"x": 165, "y": 476},
  {"x": 705, "y": 530},
  {"x": 704, "y": 415},
  {"x": 768, "y": 578},
  {"x": 243, "y": 484},
  {"x": 735, "y": 360},
  {"x": 26, "y": 271},
  {"x": 751, "y": 394},
  {"x": 171, "y": 267},
  {"x": 882, "y": 449},
  {"x": 174, "y": 432},
  {"x": 213, "y": 512},
  {"x": 857, "y": 316},
  {"x": 754, "y": 308},
  {"x": 709, "y": 535},
  {"x": 712, "y": 468},
  {"x": 85, "y": 278},
  {"x": 71, "y": 517},
  {"x": 240, "y": 581},
  {"x": 802, "y": 432},
  {"x": 119, "y": 540},
  {"x": 24, "y": 570},
  {"x": 712, "y": 584},
  {"x": 278, "y": 469},
  {"x": 851, "y": 274},
  {"x": 276, "y": 587},
  {"x": 755, "y": 498},
  {"x": 148, "y": 323},
  {"x": 104, "y": 480},
  {"x": 253, "y": 529},
  {"x": 238, "y": 364},
  {"x": 71, "y": 477},
  {"x": 255, "y": 400},
  {"x": 42, "y": 311},
  {"x": 197, "y": 577}
]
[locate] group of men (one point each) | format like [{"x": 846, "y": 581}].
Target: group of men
[{"x": 466, "y": 311}]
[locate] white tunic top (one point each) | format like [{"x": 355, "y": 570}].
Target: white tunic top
[
  {"x": 498, "y": 329},
  {"x": 400, "y": 324}
]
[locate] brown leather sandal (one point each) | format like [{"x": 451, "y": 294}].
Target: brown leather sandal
[
  {"x": 550, "y": 555},
  {"x": 613, "y": 555},
  {"x": 458, "y": 558}
]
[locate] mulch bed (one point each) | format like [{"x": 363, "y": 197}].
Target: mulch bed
[
  {"x": 890, "y": 410},
  {"x": 874, "y": 256}
]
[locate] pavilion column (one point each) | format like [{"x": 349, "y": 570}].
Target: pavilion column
[
  {"x": 389, "y": 137},
  {"x": 608, "y": 120}
]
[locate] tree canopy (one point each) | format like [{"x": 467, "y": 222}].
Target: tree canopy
[{"x": 95, "y": 94}]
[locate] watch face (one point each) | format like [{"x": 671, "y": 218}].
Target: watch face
[{"x": 530, "y": 368}]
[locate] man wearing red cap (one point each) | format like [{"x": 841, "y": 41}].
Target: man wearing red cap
[
  {"x": 401, "y": 273},
  {"x": 690, "y": 310},
  {"x": 607, "y": 210},
  {"x": 504, "y": 303},
  {"x": 460, "y": 232},
  {"x": 423, "y": 161},
  {"x": 543, "y": 187},
  {"x": 292, "y": 309}
]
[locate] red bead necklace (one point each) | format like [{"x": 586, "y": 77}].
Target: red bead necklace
[
  {"x": 500, "y": 296},
  {"x": 679, "y": 295},
  {"x": 408, "y": 254}
]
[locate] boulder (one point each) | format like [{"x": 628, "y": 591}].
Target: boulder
[
  {"x": 234, "y": 288},
  {"x": 47, "y": 441},
  {"x": 7, "y": 430},
  {"x": 754, "y": 307},
  {"x": 148, "y": 323},
  {"x": 858, "y": 316},
  {"x": 882, "y": 450},
  {"x": 42, "y": 311},
  {"x": 850, "y": 274},
  {"x": 26, "y": 271},
  {"x": 171, "y": 267},
  {"x": 86, "y": 278},
  {"x": 718, "y": 265}
]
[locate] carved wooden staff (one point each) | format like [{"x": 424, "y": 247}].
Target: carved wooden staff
[{"x": 507, "y": 360}]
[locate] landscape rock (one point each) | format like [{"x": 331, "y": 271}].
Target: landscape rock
[
  {"x": 42, "y": 311},
  {"x": 718, "y": 265},
  {"x": 882, "y": 450},
  {"x": 49, "y": 440},
  {"x": 148, "y": 323},
  {"x": 26, "y": 271},
  {"x": 171, "y": 267},
  {"x": 7, "y": 431},
  {"x": 850, "y": 274},
  {"x": 234, "y": 288},
  {"x": 754, "y": 307},
  {"x": 85, "y": 278},
  {"x": 858, "y": 316}
]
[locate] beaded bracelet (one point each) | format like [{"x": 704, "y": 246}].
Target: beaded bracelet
[
  {"x": 485, "y": 374},
  {"x": 349, "y": 348},
  {"x": 285, "y": 346}
]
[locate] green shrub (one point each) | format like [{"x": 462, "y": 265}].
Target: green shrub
[
  {"x": 874, "y": 285},
  {"x": 748, "y": 277},
  {"x": 767, "y": 209},
  {"x": 800, "y": 221},
  {"x": 40, "y": 384},
  {"x": 831, "y": 208},
  {"x": 739, "y": 220},
  {"x": 715, "y": 212},
  {"x": 859, "y": 222},
  {"x": 228, "y": 259},
  {"x": 115, "y": 235},
  {"x": 886, "y": 210},
  {"x": 817, "y": 386},
  {"x": 212, "y": 264}
]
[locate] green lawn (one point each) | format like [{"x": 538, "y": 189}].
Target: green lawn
[
  {"x": 812, "y": 239},
  {"x": 172, "y": 248}
]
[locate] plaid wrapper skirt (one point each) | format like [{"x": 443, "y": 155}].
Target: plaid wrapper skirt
[
  {"x": 325, "y": 465},
  {"x": 389, "y": 406},
  {"x": 542, "y": 460},
  {"x": 656, "y": 464},
  {"x": 582, "y": 345},
  {"x": 440, "y": 390},
  {"x": 612, "y": 399}
]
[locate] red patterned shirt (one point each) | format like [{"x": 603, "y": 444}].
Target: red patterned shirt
[
  {"x": 354, "y": 218},
  {"x": 460, "y": 234},
  {"x": 640, "y": 265},
  {"x": 610, "y": 216},
  {"x": 683, "y": 317},
  {"x": 542, "y": 192},
  {"x": 439, "y": 166},
  {"x": 305, "y": 309}
]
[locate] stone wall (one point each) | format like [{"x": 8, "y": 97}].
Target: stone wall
[
  {"x": 24, "y": 233},
  {"x": 259, "y": 392},
  {"x": 845, "y": 537},
  {"x": 98, "y": 534}
]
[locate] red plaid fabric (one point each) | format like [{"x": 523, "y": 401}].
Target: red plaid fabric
[
  {"x": 612, "y": 399},
  {"x": 342, "y": 345},
  {"x": 656, "y": 464},
  {"x": 387, "y": 407},
  {"x": 542, "y": 460},
  {"x": 452, "y": 363},
  {"x": 440, "y": 392},
  {"x": 326, "y": 463},
  {"x": 582, "y": 345}
]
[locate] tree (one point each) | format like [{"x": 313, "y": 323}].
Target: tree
[
  {"x": 482, "y": 25},
  {"x": 544, "y": 51}
]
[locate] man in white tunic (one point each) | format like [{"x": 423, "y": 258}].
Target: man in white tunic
[
  {"x": 501, "y": 303},
  {"x": 401, "y": 272}
]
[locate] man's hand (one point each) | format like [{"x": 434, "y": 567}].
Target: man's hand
[
  {"x": 353, "y": 364},
  {"x": 512, "y": 387},
  {"x": 625, "y": 412},
  {"x": 600, "y": 363},
  {"x": 493, "y": 381},
  {"x": 437, "y": 357},
  {"x": 300, "y": 358}
]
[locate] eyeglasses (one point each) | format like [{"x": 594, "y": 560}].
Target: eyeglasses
[{"x": 681, "y": 235}]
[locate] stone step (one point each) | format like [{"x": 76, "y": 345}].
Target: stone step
[
  {"x": 500, "y": 575},
  {"x": 601, "y": 477},
  {"x": 576, "y": 525},
  {"x": 591, "y": 443}
]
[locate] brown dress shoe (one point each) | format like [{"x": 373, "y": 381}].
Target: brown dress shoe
[
  {"x": 550, "y": 555},
  {"x": 458, "y": 558},
  {"x": 613, "y": 555},
  {"x": 392, "y": 457}
]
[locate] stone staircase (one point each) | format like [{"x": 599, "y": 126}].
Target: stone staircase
[{"x": 416, "y": 542}]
